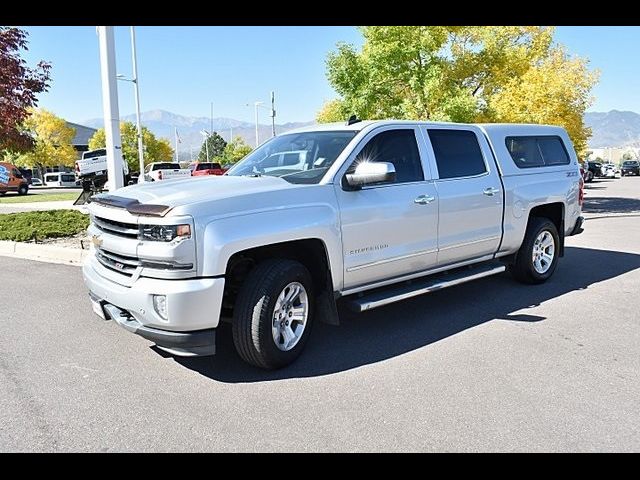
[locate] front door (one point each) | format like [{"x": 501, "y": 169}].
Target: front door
[
  {"x": 469, "y": 193},
  {"x": 389, "y": 229}
]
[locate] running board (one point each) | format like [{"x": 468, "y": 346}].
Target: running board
[{"x": 384, "y": 296}]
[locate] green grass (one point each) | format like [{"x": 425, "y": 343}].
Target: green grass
[
  {"x": 39, "y": 197},
  {"x": 24, "y": 226}
]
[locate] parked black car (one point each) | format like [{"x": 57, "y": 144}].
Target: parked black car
[
  {"x": 630, "y": 167},
  {"x": 593, "y": 170}
]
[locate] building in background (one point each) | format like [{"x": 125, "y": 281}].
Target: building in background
[{"x": 614, "y": 154}]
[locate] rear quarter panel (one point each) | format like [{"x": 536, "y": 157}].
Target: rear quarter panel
[{"x": 527, "y": 188}]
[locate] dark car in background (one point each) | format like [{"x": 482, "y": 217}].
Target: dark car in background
[
  {"x": 630, "y": 167},
  {"x": 593, "y": 170}
]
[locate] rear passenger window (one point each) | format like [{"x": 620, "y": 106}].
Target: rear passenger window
[
  {"x": 537, "y": 151},
  {"x": 457, "y": 153},
  {"x": 398, "y": 147}
]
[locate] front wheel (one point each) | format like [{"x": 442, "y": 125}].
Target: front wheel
[
  {"x": 23, "y": 189},
  {"x": 273, "y": 313},
  {"x": 538, "y": 255}
]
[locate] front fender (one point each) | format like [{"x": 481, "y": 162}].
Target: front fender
[{"x": 225, "y": 236}]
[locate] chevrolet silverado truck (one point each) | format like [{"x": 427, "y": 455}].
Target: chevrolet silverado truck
[{"x": 378, "y": 212}]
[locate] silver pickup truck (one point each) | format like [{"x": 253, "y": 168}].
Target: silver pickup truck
[{"x": 364, "y": 213}]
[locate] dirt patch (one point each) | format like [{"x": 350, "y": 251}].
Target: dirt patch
[{"x": 79, "y": 241}]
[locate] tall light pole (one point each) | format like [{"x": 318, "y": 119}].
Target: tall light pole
[
  {"x": 110, "y": 107},
  {"x": 211, "y": 125},
  {"x": 205, "y": 134},
  {"x": 136, "y": 92},
  {"x": 273, "y": 113},
  {"x": 256, "y": 105}
]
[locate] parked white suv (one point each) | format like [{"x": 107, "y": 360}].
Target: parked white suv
[{"x": 372, "y": 213}]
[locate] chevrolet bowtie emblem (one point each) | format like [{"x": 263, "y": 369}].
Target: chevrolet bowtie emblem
[{"x": 96, "y": 240}]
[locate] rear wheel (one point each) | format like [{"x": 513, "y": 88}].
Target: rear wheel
[
  {"x": 538, "y": 255},
  {"x": 273, "y": 314}
]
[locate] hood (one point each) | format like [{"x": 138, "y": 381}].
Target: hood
[{"x": 192, "y": 190}]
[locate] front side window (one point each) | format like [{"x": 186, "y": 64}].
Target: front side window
[
  {"x": 295, "y": 157},
  {"x": 457, "y": 153},
  {"x": 537, "y": 151},
  {"x": 398, "y": 147}
]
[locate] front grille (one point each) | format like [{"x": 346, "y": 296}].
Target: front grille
[
  {"x": 121, "y": 229},
  {"x": 118, "y": 263}
]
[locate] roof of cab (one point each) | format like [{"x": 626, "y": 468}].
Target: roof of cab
[{"x": 493, "y": 127}]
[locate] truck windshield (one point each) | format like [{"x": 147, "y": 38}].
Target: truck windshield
[{"x": 295, "y": 157}]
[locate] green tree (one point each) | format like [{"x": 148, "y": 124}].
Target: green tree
[
  {"x": 627, "y": 156},
  {"x": 51, "y": 137},
  {"x": 235, "y": 150},
  {"x": 461, "y": 74},
  {"x": 216, "y": 148},
  {"x": 155, "y": 149}
]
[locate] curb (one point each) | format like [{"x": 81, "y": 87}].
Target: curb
[{"x": 43, "y": 253}]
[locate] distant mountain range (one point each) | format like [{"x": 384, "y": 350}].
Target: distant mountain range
[
  {"x": 610, "y": 129},
  {"x": 162, "y": 124},
  {"x": 613, "y": 129}
]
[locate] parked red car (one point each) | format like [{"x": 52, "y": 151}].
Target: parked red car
[{"x": 206, "y": 168}]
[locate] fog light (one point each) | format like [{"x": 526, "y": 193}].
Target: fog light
[{"x": 160, "y": 305}]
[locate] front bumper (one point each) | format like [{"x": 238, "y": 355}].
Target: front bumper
[{"x": 193, "y": 308}]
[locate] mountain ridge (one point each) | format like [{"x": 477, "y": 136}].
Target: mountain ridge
[
  {"x": 615, "y": 128},
  {"x": 163, "y": 122}
]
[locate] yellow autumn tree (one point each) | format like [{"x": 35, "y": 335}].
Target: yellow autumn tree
[
  {"x": 461, "y": 74},
  {"x": 556, "y": 91},
  {"x": 331, "y": 111},
  {"x": 52, "y": 140}
]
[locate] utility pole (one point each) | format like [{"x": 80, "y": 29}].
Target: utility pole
[
  {"x": 175, "y": 133},
  {"x": 211, "y": 125},
  {"x": 273, "y": 113},
  {"x": 110, "y": 107},
  {"x": 256, "y": 107},
  {"x": 137, "y": 95}
]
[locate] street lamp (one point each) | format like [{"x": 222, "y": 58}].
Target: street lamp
[
  {"x": 206, "y": 134},
  {"x": 273, "y": 115},
  {"x": 256, "y": 105},
  {"x": 134, "y": 80}
]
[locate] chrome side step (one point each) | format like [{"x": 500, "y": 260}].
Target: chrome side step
[{"x": 384, "y": 296}]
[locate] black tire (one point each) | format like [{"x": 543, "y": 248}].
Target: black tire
[
  {"x": 252, "y": 315},
  {"x": 23, "y": 189},
  {"x": 523, "y": 268}
]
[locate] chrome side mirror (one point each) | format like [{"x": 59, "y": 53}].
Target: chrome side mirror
[{"x": 371, "y": 172}]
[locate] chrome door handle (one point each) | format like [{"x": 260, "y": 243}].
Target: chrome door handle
[
  {"x": 490, "y": 192},
  {"x": 424, "y": 199}
]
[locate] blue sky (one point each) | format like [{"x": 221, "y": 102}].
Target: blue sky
[{"x": 183, "y": 69}]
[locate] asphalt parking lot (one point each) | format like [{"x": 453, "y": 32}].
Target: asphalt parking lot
[{"x": 490, "y": 365}]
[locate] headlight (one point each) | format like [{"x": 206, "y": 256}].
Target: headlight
[{"x": 164, "y": 233}]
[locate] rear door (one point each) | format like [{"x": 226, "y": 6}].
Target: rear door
[
  {"x": 388, "y": 229},
  {"x": 469, "y": 191}
]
